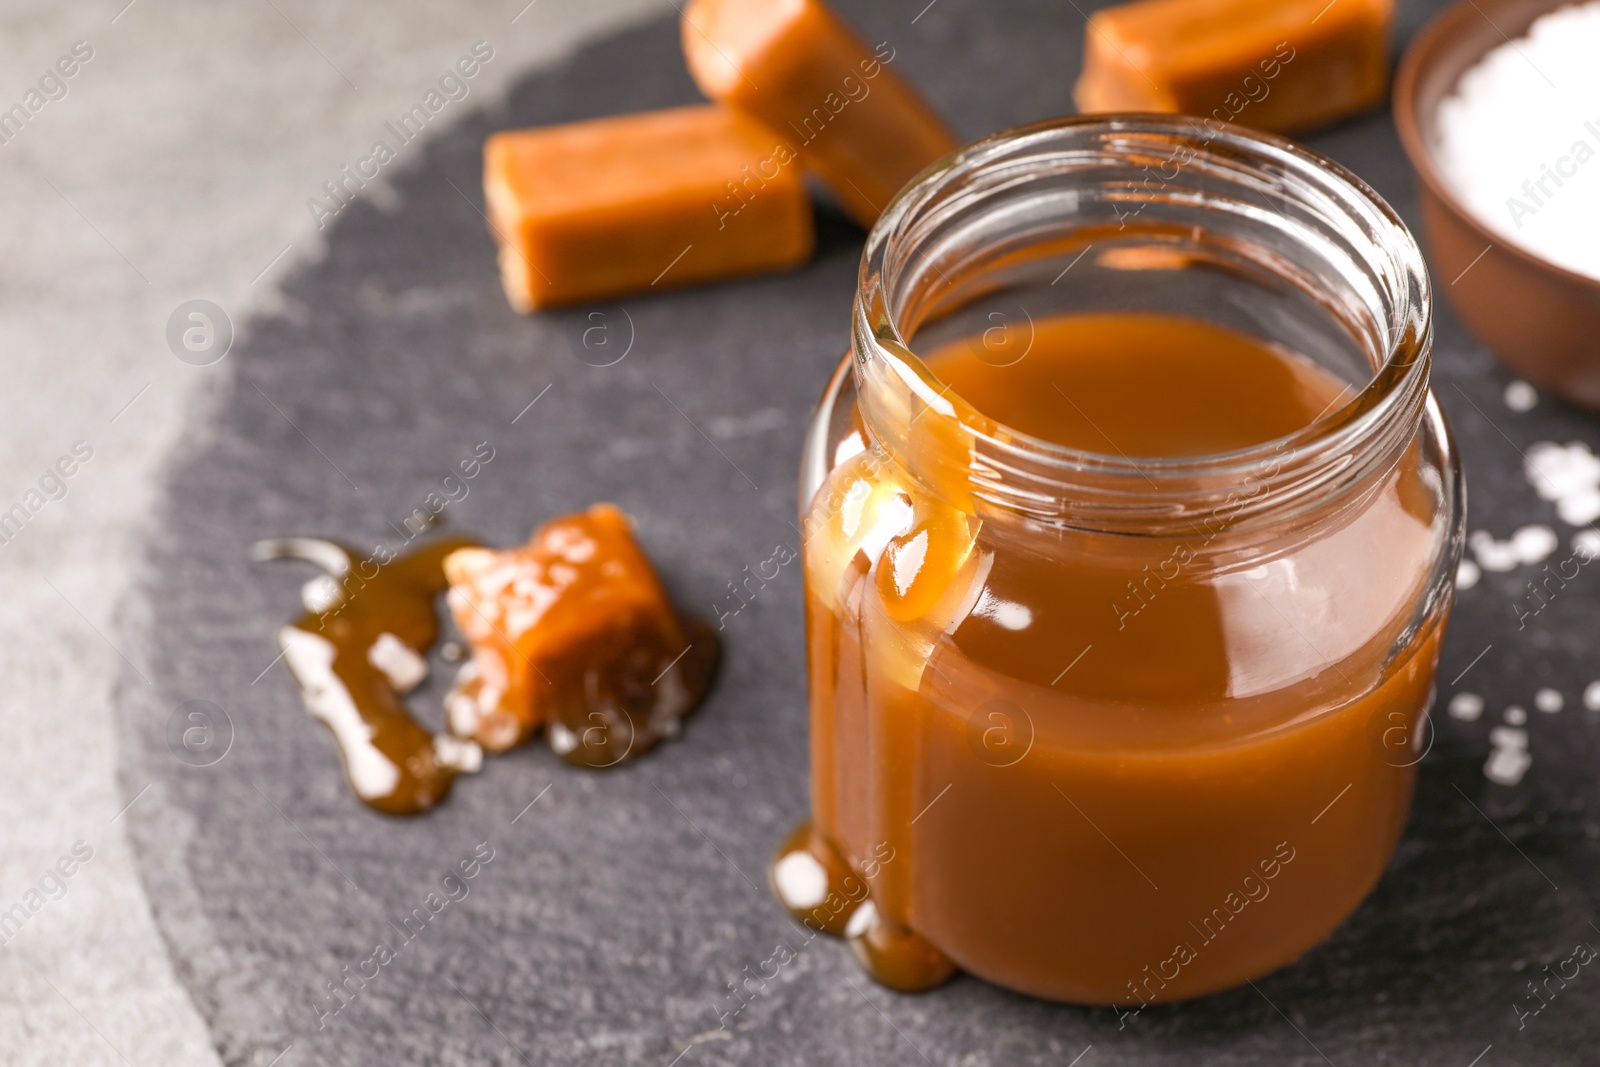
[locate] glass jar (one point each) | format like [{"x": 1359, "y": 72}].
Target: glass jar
[{"x": 1102, "y": 729}]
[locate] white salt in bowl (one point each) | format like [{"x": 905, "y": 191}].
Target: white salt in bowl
[{"x": 1542, "y": 320}]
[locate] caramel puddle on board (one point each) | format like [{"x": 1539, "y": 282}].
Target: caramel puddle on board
[
  {"x": 357, "y": 650},
  {"x": 817, "y": 887}
]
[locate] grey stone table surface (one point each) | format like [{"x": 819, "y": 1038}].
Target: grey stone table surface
[
  {"x": 618, "y": 908},
  {"x": 173, "y": 162}
]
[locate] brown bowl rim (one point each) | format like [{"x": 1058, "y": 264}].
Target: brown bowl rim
[{"x": 1422, "y": 48}]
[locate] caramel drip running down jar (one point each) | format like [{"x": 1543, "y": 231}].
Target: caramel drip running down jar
[{"x": 1130, "y": 528}]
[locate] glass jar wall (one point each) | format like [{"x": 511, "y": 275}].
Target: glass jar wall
[{"x": 1129, "y": 529}]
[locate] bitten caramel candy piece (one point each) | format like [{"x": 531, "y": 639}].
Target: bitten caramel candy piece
[
  {"x": 574, "y": 632},
  {"x": 795, "y": 66},
  {"x": 1280, "y": 65},
  {"x": 667, "y": 198}
]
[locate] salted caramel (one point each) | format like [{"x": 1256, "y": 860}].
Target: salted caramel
[
  {"x": 357, "y": 650},
  {"x": 573, "y": 633},
  {"x": 1107, "y": 769}
]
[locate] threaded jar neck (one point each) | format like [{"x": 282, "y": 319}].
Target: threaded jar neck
[{"x": 1145, "y": 213}]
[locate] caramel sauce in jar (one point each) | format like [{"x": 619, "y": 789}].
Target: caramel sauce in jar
[{"x": 1124, "y": 601}]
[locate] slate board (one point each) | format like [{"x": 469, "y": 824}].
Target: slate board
[{"x": 619, "y": 908}]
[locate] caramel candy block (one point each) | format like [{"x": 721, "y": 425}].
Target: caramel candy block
[
  {"x": 668, "y": 198},
  {"x": 573, "y": 632},
  {"x": 1280, "y": 65},
  {"x": 796, "y": 67}
]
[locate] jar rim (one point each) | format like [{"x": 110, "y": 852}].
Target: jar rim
[{"x": 1393, "y": 396}]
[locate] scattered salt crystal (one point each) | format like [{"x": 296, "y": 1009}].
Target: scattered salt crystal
[
  {"x": 1518, "y": 138},
  {"x": 1535, "y": 543},
  {"x": 1467, "y": 574},
  {"x": 1493, "y": 555},
  {"x": 1506, "y": 766},
  {"x": 1520, "y": 396},
  {"x": 1569, "y": 475},
  {"x": 1531, "y": 544},
  {"x": 1579, "y": 509},
  {"x": 1586, "y": 543},
  {"x": 1591, "y": 696},
  {"x": 1466, "y": 707},
  {"x": 1516, "y": 716},
  {"x": 1508, "y": 758},
  {"x": 1564, "y": 467},
  {"x": 1549, "y": 701},
  {"x": 1506, "y": 737}
]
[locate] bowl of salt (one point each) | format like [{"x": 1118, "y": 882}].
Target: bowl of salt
[{"x": 1498, "y": 107}]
